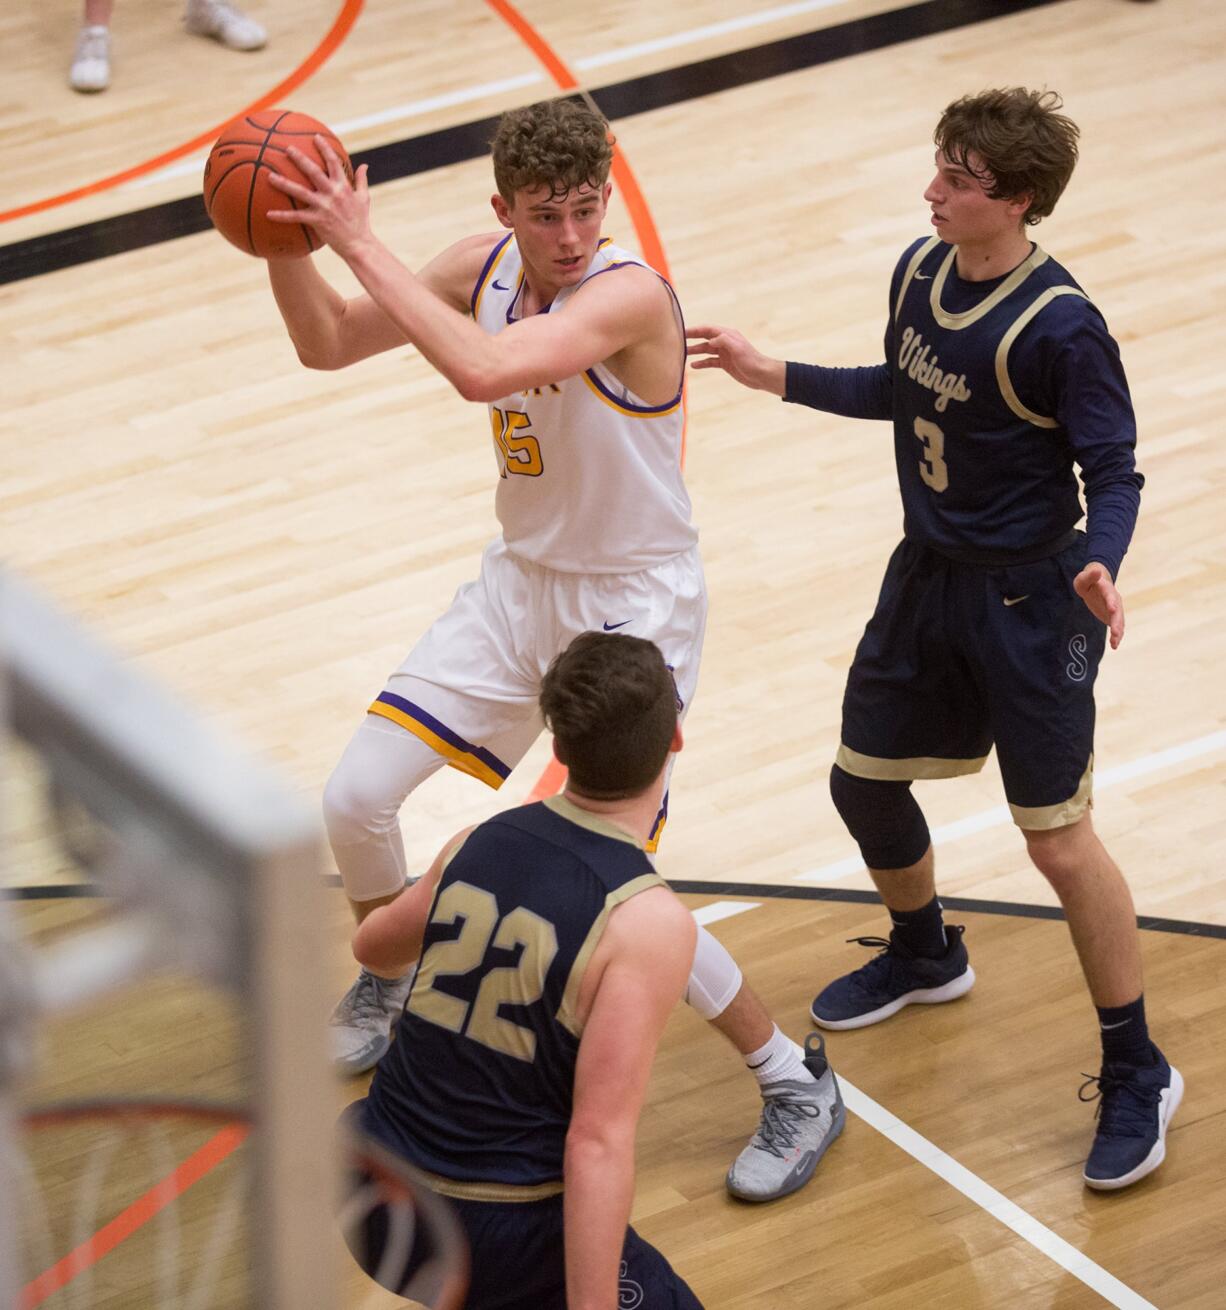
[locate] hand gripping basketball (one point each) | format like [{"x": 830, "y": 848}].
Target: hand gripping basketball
[
  {"x": 239, "y": 188},
  {"x": 331, "y": 202}
]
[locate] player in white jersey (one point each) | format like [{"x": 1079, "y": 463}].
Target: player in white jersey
[{"x": 578, "y": 349}]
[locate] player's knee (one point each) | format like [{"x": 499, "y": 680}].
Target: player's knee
[
  {"x": 355, "y": 806},
  {"x": 715, "y": 978},
  {"x": 883, "y": 818},
  {"x": 1058, "y": 855}
]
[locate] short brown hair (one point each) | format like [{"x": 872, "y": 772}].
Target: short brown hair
[
  {"x": 559, "y": 144},
  {"x": 1025, "y": 146},
  {"x": 611, "y": 703}
]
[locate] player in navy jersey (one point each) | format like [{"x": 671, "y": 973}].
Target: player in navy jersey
[
  {"x": 551, "y": 956},
  {"x": 1001, "y": 379}
]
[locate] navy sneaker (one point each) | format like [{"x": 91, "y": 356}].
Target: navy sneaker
[
  {"x": 894, "y": 977},
  {"x": 1135, "y": 1108}
]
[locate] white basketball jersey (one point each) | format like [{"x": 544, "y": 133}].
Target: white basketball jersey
[{"x": 589, "y": 475}]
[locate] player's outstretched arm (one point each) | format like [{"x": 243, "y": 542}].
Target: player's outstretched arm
[
  {"x": 650, "y": 944},
  {"x": 721, "y": 347},
  {"x": 389, "y": 939}
]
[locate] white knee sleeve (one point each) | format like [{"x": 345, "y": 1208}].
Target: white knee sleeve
[
  {"x": 362, "y": 801},
  {"x": 714, "y": 979}
]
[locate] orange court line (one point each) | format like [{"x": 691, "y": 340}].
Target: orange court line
[
  {"x": 157, "y": 1198},
  {"x": 550, "y": 782},
  {"x": 339, "y": 30}
]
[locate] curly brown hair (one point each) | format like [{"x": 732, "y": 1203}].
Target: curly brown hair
[
  {"x": 559, "y": 144},
  {"x": 1024, "y": 146},
  {"x": 611, "y": 704}
]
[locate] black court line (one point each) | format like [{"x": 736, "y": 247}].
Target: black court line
[
  {"x": 453, "y": 145},
  {"x": 750, "y": 890}
]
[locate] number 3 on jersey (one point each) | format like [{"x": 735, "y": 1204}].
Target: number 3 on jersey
[
  {"x": 516, "y": 453},
  {"x": 933, "y": 468}
]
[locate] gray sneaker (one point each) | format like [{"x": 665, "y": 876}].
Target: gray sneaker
[
  {"x": 361, "y": 1025},
  {"x": 799, "y": 1121}
]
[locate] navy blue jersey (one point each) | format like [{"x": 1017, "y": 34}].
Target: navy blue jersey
[
  {"x": 477, "y": 1087},
  {"x": 997, "y": 390}
]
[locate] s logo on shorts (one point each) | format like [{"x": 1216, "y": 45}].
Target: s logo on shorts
[
  {"x": 629, "y": 1293},
  {"x": 1077, "y": 667}
]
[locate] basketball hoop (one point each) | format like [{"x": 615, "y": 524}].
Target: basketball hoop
[{"x": 424, "y": 1253}]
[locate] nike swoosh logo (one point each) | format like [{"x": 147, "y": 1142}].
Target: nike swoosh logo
[
  {"x": 923, "y": 277},
  {"x": 1107, "y": 1027},
  {"x": 498, "y": 286},
  {"x": 1015, "y": 600},
  {"x": 609, "y": 627}
]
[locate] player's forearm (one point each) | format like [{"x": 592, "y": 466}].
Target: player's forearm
[
  {"x": 599, "y": 1176},
  {"x": 852, "y": 392},
  {"x": 385, "y": 945},
  {"x": 766, "y": 374},
  {"x": 312, "y": 310},
  {"x": 453, "y": 343},
  {"x": 1111, "y": 516}
]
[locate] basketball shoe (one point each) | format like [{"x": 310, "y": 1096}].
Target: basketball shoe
[
  {"x": 1135, "y": 1106},
  {"x": 799, "y": 1121},
  {"x": 894, "y": 977},
  {"x": 360, "y": 1029},
  {"x": 224, "y": 23},
  {"x": 91, "y": 61}
]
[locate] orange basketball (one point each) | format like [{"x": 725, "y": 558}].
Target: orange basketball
[{"x": 237, "y": 193}]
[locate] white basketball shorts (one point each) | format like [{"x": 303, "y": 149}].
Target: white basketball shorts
[{"x": 469, "y": 687}]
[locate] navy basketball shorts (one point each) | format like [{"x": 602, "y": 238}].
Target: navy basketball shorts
[
  {"x": 959, "y": 658},
  {"x": 517, "y": 1259}
]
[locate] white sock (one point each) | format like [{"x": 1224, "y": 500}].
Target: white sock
[{"x": 780, "y": 1060}]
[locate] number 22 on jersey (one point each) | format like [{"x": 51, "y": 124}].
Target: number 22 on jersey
[
  {"x": 516, "y": 984},
  {"x": 518, "y": 451}
]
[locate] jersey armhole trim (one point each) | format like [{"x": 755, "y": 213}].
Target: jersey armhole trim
[
  {"x": 568, "y": 1011},
  {"x": 1003, "y": 380}
]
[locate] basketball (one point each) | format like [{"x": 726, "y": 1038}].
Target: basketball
[{"x": 237, "y": 193}]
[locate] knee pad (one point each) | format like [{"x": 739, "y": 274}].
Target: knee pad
[
  {"x": 714, "y": 979},
  {"x": 883, "y": 817}
]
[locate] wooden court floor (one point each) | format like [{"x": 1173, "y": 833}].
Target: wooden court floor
[{"x": 268, "y": 543}]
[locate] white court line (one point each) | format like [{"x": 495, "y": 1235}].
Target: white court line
[
  {"x": 399, "y": 113},
  {"x": 703, "y": 33},
  {"x": 959, "y": 1177},
  {"x": 718, "y": 910},
  {"x": 998, "y": 815},
  {"x": 988, "y": 1198},
  {"x": 392, "y": 115}
]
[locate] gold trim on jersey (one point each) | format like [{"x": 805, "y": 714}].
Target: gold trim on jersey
[
  {"x": 644, "y": 412},
  {"x": 919, "y": 766},
  {"x": 956, "y": 322},
  {"x": 1002, "y": 355},
  {"x": 916, "y": 260},
  {"x": 457, "y": 758},
  {"x": 1042, "y": 818},
  {"x": 489, "y": 276},
  {"x": 565, "y": 808},
  {"x": 567, "y": 1014},
  {"x": 503, "y": 1192}
]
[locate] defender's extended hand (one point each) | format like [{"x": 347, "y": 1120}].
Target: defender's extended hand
[
  {"x": 726, "y": 348},
  {"x": 339, "y": 213},
  {"x": 1095, "y": 586}
]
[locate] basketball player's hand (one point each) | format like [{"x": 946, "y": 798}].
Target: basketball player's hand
[
  {"x": 726, "y": 348},
  {"x": 1094, "y": 585},
  {"x": 338, "y": 213}
]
